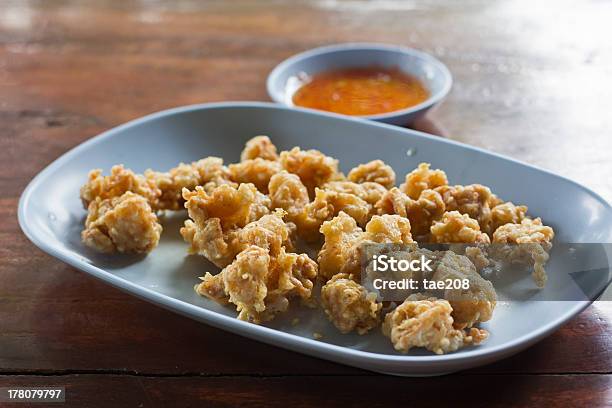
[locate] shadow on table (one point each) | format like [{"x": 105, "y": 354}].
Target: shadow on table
[{"x": 428, "y": 125}]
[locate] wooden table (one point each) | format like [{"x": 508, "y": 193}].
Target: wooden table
[{"x": 532, "y": 80}]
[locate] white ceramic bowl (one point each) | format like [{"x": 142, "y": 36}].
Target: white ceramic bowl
[{"x": 283, "y": 81}]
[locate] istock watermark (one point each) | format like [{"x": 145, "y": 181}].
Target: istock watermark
[{"x": 565, "y": 272}]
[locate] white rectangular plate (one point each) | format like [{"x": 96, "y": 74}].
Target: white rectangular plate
[{"x": 51, "y": 215}]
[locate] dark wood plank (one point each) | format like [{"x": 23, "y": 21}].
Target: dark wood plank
[
  {"x": 327, "y": 391},
  {"x": 85, "y": 391},
  {"x": 469, "y": 391}
]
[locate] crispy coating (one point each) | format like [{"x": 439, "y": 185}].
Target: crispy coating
[
  {"x": 479, "y": 256},
  {"x": 421, "y": 213},
  {"x": 507, "y": 213},
  {"x": 526, "y": 232},
  {"x": 245, "y": 282},
  {"x": 257, "y": 171},
  {"x": 472, "y": 200},
  {"x": 121, "y": 224},
  {"x": 118, "y": 182},
  {"x": 287, "y": 191},
  {"x": 212, "y": 173},
  {"x": 208, "y": 173},
  {"x": 216, "y": 217},
  {"x": 212, "y": 287},
  {"x": 349, "y": 306},
  {"x": 269, "y": 232},
  {"x": 375, "y": 171},
  {"x": 261, "y": 285},
  {"x": 339, "y": 253},
  {"x": 427, "y": 322},
  {"x": 326, "y": 205},
  {"x": 235, "y": 207},
  {"x": 388, "y": 229},
  {"x": 211, "y": 241},
  {"x": 471, "y": 306},
  {"x": 370, "y": 192},
  {"x": 528, "y": 243},
  {"x": 171, "y": 184},
  {"x": 494, "y": 201},
  {"x": 259, "y": 147},
  {"x": 455, "y": 227},
  {"x": 530, "y": 254},
  {"x": 423, "y": 178},
  {"x": 343, "y": 238},
  {"x": 312, "y": 167}
]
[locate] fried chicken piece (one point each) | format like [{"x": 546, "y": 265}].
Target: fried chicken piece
[
  {"x": 507, "y": 213},
  {"x": 261, "y": 285},
  {"x": 526, "y": 243},
  {"x": 215, "y": 218},
  {"x": 287, "y": 191},
  {"x": 375, "y": 171},
  {"x": 472, "y": 305},
  {"x": 269, "y": 232},
  {"x": 312, "y": 167},
  {"x": 370, "y": 192},
  {"x": 422, "y": 178},
  {"x": 394, "y": 202},
  {"x": 455, "y": 227},
  {"x": 388, "y": 229},
  {"x": 211, "y": 241},
  {"x": 212, "y": 287},
  {"x": 339, "y": 253},
  {"x": 479, "y": 256},
  {"x": 235, "y": 207},
  {"x": 526, "y": 232},
  {"x": 427, "y": 322},
  {"x": 343, "y": 238},
  {"x": 259, "y": 147},
  {"x": 349, "y": 306},
  {"x": 472, "y": 200},
  {"x": 120, "y": 181},
  {"x": 494, "y": 201},
  {"x": 171, "y": 184},
  {"x": 257, "y": 171},
  {"x": 421, "y": 213},
  {"x": 208, "y": 173},
  {"x": 326, "y": 205},
  {"x": 121, "y": 224},
  {"x": 243, "y": 283},
  {"x": 213, "y": 173}
]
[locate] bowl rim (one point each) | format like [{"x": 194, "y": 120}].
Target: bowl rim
[{"x": 432, "y": 100}]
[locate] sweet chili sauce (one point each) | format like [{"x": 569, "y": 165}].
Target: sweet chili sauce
[{"x": 361, "y": 91}]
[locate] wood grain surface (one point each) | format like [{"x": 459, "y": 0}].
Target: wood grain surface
[{"x": 532, "y": 80}]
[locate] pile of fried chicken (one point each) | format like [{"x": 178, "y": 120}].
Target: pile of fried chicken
[{"x": 250, "y": 219}]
